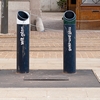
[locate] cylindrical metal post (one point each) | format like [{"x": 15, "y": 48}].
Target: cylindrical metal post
[
  {"x": 69, "y": 42},
  {"x": 4, "y": 16},
  {"x": 23, "y": 42}
]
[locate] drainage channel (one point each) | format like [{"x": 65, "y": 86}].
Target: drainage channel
[{"x": 46, "y": 79}]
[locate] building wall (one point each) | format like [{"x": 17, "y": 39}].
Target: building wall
[
  {"x": 49, "y": 5},
  {"x": 14, "y": 7}
]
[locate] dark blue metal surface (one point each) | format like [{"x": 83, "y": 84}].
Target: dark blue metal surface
[
  {"x": 23, "y": 49},
  {"x": 69, "y": 49},
  {"x": 22, "y": 42},
  {"x": 69, "y": 42}
]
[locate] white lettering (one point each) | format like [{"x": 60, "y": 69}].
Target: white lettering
[
  {"x": 22, "y": 41},
  {"x": 22, "y": 35},
  {"x": 69, "y": 30},
  {"x": 69, "y": 39}
]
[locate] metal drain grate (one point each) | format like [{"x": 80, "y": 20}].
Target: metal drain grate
[{"x": 46, "y": 79}]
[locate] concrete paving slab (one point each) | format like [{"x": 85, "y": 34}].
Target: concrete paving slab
[
  {"x": 50, "y": 93},
  {"x": 54, "y": 63},
  {"x": 57, "y": 98},
  {"x": 94, "y": 98},
  {"x": 78, "y": 99},
  {"x": 93, "y": 92},
  {"x": 13, "y": 98},
  {"x": 47, "y": 78},
  {"x": 68, "y": 93},
  {"x": 97, "y": 73},
  {"x": 37, "y": 98}
]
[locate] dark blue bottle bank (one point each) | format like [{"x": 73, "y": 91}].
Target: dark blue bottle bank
[
  {"x": 69, "y": 42},
  {"x": 23, "y": 20}
]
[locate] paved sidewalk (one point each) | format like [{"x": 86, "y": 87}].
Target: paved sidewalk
[
  {"x": 46, "y": 53},
  {"x": 50, "y": 45},
  {"x": 51, "y": 93}
]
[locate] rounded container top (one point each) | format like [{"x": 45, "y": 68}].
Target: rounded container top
[
  {"x": 69, "y": 17},
  {"x": 22, "y": 17}
]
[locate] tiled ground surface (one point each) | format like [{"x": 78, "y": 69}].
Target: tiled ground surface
[
  {"x": 50, "y": 44},
  {"x": 47, "y": 47}
]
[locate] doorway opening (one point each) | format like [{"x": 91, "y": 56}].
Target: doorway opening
[{"x": 71, "y": 5}]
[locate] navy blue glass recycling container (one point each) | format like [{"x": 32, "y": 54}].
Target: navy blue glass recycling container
[
  {"x": 23, "y": 20},
  {"x": 69, "y": 42}
]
